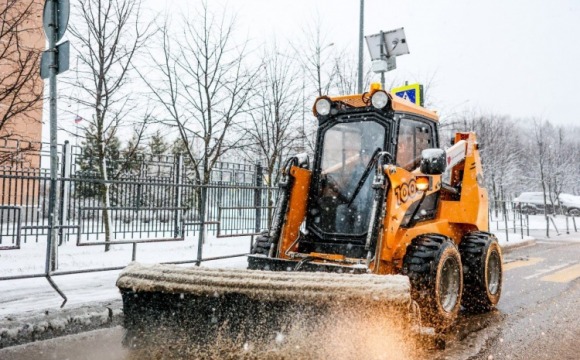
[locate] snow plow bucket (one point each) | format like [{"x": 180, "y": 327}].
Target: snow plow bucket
[{"x": 199, "y": 304}]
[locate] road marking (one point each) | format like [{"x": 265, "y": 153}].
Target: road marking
[
  {"x": 565, "y": 275},
  {"x": 556, "y": 242},
  {"x": 545, "y": 271},
  {"x": 520, "y": 263}
]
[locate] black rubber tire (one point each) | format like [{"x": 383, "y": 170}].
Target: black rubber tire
[
  {"x": 262, "y": 244},
  {"x": 482, "y": 271},
  {"x": 573, "y": 212},
  {"x": 428, "y": 258}
]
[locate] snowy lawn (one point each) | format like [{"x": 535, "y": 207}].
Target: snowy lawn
[{"x": 24, "y": 295}]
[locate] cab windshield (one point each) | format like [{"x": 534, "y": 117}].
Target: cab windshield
[{"x": 347, "y": 151}]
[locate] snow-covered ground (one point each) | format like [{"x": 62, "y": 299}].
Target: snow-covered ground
[
  {"x": 558, "y": 226},
  {"x": 19, "y": 296},
  {"x": 24, "y": 295}
]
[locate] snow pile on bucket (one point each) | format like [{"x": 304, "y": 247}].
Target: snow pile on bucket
[{"x": 265, "y": 285}]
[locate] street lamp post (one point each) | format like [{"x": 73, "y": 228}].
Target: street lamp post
[{"x": 360, "y": 46}]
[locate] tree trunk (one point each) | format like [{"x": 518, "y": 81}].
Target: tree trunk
[{"x": 105, "y": 198}]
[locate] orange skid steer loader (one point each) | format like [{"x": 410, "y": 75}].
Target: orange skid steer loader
[{"x": 380, "y": 219}]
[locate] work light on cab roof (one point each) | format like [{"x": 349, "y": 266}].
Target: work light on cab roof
[
  {"x": 323, "y": 106},
  {"x": 376, "y": 97},
  {"x": 380, "y": 99}
]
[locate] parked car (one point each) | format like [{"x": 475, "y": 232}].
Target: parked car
[
  {"x": 532, "y": 203},
  {"x": 571, "y": 204}
]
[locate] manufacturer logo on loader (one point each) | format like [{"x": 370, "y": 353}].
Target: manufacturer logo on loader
[{"x": 406, "y": 191}]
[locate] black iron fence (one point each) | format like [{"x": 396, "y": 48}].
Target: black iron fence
[
  {"x": 515, "y": 219},
  {"x": 151, "y": 199},
  {"x": 146, "y": 198}
]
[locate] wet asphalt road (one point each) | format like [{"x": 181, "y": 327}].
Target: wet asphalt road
[
  {"x": 537, "y": 317},
  {"x": 540, "y": 304}
]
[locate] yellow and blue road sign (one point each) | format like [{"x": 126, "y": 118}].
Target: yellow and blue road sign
[{"x": 412, "y": 92}]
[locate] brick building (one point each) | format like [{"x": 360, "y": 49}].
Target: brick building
[{"x": 21, "y": 93}]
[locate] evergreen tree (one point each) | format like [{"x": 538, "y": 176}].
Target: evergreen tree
[
  {"x": 157, "y": 145},
  {"x": 88, "y": 163},
  {"x": 132, "y": 157}
]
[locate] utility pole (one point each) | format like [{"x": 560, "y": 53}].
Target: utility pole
[
  {"x": 54, "y": 61},
  {"x": 360, "y": 47}
]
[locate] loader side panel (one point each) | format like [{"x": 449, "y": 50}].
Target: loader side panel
[
  {"x": 296, "y": 210},
  {"x": 472, "y": 207},
  {"x": 402, "y": 198}
]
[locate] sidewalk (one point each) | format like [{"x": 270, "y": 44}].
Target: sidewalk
[
  {"x": 30, "y": 308},
  {"x": 514, "y": 241}
]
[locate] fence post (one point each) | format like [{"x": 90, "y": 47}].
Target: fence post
[
  {"x": 515, "y": 215},
  {"x": 64, "y": 194},
  {"x": 528, "y": 224},
  {"x": 258, "y": 196},
  {"x": 505, "y": 220},
  {"x": 177, "y": 230},
  {"x": 521, "y": 223},
  {"x": 51, "y": 248},
  {"x": 554, "y": 223}
]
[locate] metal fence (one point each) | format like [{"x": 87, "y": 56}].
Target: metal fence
[
  {"x": 149, "y": 196},
  {"x": 153, "y": 199},
  {"x": 515, "y": 221},
  {"x": 146, "y": 199}
]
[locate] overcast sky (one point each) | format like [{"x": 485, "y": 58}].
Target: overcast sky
[{"x": 516, "y": 57}]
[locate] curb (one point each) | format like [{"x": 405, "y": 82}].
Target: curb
[
  {"x": 22, "y": 329},
  {"x": 510, "y": 247}
]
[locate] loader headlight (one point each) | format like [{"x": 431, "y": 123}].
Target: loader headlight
[
  {"x": 380, "y": 99},
  {"x": 423, "y": 183},
  {"x": 323, "y": 106}
]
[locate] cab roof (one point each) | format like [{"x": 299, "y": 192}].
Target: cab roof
[{"x": 397, "y": 104}]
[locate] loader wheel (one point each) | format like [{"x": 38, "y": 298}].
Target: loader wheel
[
  {"x": 433, "y": 265},
  {"x": 262, "y": 244},
  {"x": 482, "y": 271}
]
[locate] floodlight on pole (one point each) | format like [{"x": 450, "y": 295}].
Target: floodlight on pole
[{"x": 384, "y": 47}]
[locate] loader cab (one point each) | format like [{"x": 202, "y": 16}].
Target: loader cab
[
  {"x": 414, "y": 134},
  {"x": 341, "y": 195}
]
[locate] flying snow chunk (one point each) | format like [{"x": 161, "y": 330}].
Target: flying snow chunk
[{"x": 279, "y": 338}]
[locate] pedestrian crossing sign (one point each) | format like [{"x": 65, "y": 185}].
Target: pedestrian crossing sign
[{"x": 412, "y": 92}]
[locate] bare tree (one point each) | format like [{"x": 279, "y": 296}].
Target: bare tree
[
  {"x": 204, "y": 87},
  {"x": 539, "y": 151},
  {"x": 561, "y": 172},
  {"x": 107, "y": 39},
  {"x": 429, "y": 82},
  {"x": 20, "y": 84},
  {"x": 274, "y": 129},
  {"x": 500, "y": 153},
  {"x": 346, "y": 74},
  {"x": 314, "y": 53}
]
